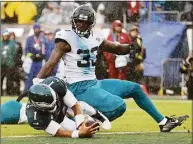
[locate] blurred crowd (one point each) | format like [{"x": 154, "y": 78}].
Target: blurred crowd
[
  {"x": 11, "y": 63},
  {"x": 52, "y": 12},
  {"x": 36, "y": 51},
  {"x": 38, "y": 46}
]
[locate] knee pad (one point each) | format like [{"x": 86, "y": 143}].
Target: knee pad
[{"x": 112, "y": 115}]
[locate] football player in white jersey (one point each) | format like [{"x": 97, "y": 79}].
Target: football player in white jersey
[{"x": 79, "y": 47}]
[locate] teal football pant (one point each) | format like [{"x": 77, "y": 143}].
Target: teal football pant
[{"x": 107, "y": 96}]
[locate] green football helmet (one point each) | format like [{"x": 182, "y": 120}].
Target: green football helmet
[{"x": 43, "y": 97}]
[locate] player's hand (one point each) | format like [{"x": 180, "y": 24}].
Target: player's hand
[
  {"x": 86, "y": 132},
  {"x": 37, "y": 80}
]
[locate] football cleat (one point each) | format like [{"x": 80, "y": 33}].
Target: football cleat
[
  {"x": 172, "y": 122},
  {"x": 102, "y": 120}
]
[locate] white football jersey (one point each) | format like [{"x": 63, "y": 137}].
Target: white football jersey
[{"x": 79, "y": 63}]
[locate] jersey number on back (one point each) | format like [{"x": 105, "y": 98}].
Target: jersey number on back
[{"x": 88, "y": 57}]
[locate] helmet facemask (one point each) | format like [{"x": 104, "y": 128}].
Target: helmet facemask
[{"x": 83, "y": 13}]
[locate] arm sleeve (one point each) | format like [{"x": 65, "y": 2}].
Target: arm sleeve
[
  {"x": 53, "y": 127},
  {"x": 69, "y": 99}
]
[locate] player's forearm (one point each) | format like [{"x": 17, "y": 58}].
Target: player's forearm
[
  {"x": 79, "y": 117},
  {"x": 63, "y": 133},
  {"x": 57, "y": 130},
  {"x": 83, "y": 132},
  {"x": 76, "y": 109},
  {"x": 119, "y": 49},
  {"x": 55, "y": 57},
  {"x": 45, "y": 71}
]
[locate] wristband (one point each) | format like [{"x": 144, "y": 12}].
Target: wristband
[{"x": 75, "y": 134}]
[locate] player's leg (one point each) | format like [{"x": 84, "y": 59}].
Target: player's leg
[
  {"x": 10, "y": 112},
  {"x": 110, "y": 105},
  {"x": 127, "y": 89}
]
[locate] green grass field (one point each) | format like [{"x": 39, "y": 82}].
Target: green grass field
[{"x": 140, "y": 128}]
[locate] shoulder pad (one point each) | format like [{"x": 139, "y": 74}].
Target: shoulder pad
[
  {"x": 99, "y": 36},
  {"x": 64, "y": 35},
  {"x": 57, "y": 84}
]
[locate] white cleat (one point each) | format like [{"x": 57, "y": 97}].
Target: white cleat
[
  {"x": 102, "y": 120},
  {"x": 106, "y": 125}
]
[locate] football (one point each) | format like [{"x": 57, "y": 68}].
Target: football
[{"x": 90, "y": 122}]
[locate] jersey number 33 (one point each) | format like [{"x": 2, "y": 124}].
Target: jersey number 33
[{"x": 88, "y": 57}]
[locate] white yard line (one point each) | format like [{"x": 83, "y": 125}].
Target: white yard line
[
  {"x": 107, "y": 133},
  {"x": 101, "y": 133},
  {"x": 25, "y": 136}
]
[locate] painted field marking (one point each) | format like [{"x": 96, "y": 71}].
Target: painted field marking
[{"x": 101, "y": 133}]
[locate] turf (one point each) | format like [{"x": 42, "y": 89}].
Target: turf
[
  {"x": 134, "y": 120},
  {"x": 148, "y": 138}
]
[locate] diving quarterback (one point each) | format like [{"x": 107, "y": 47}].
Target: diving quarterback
[
  {"x": 51, "y": 107},
  {"x": 79, "y": 47},
  {"x": 47, "y": 108}
]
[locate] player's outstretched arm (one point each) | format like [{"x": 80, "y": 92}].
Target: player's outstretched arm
[
  {"x": 70, "y": 100},
  {"x": 119, "y": 49},
  {"x": 83, "y": 132},
  {"x": 61, "y": 48}
]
